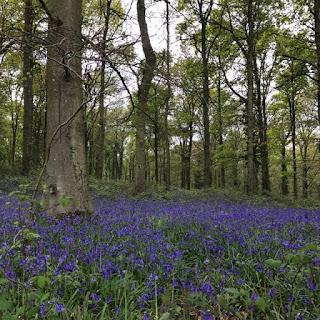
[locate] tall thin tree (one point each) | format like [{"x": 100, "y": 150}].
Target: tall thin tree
[
  {"x": 167, "y": 106},
  {"x": 101, "y": 136},
  {"x": 27, "y": 88}
]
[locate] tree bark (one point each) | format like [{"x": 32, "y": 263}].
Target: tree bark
[
  {"x": 101, "y": 135},
  {"x": 166, "y": 111},
  {"x": 143, "y": 92},
  {"x": 207, "y": 176},
  {"x": 66, "y": 163},
  {"x": 317, "y": 41},
  {"x": 263, "y": 144},
  {"x": 188, "y": 160},
  {"x": 284, "y": 171},
  {"x": 305, "y": 169},
  {"x": 220, "y": 124},
  {"x": 292, "y": 108},
  {"x": 27, "y": 89},
  {"x": 156, "y": 145},
  {"x": 252, "y": 179}
]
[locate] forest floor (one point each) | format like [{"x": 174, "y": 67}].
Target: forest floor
[{"x": 166, "y": 255}]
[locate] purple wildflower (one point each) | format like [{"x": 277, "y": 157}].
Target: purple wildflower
[
  {"x": 255, "y": 297},
  {"x": 312, "y": 286},
  {"x": 42, "y": 310}
]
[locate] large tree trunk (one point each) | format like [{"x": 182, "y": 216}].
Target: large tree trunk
[
  {"x": 143, "y": 91},
  {"x": 252, "y": 179},
  {"x": 66, "y": 166},
  {"x": 27, "y": 88}
]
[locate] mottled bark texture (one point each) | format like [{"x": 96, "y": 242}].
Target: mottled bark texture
[
  {"x": 143, "y": 92},
  {"x": 66, "y": 169}
]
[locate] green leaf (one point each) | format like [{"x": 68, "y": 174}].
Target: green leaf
[
  {"x": 4, "y": 280},
  {"x": 13, "y": 192},
  {"x": 289, "y": 257},
  {"x": 20, "y": 310},
  {"x": 165, "y": 316},
  {"x": 4, "y": 304},
  {"x": 33, "y": 311},
  {"x": 222, "y": 300},
  {"x": 295, "y": 259},
  {"x": 310, "y": 246},
  {"x": 177, "y": 309},
  {"x": 45, "y": 296},
  {"x": 41, "y": 282},
  {"x": 64, "y": 202},
  {"x": 31, "y": 235},
  {"x": 233, "y": 290},
  {"x": 273, "y": 264},
  {"x": 261, "y": 304}
]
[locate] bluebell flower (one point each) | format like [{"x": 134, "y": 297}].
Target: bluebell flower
[
  {"x": 42, "y": 310},
  {"x": 60, "y": 307},
  {"x": 95, "y": 296},
  {"x": 255, "y": 297},
  {"x": 273, "y": 293},
  {"x": 312, "y": 286},
  {"x": 207, "y": 315},
  {"x": 108, "y": 299}
]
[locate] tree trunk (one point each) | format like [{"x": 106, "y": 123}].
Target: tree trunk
[
  {"x": 14, "y": 128},
  {"x": 252, "y": 179},
  {"x": 220, "y": 123},
  {"x": 284, "y": 172},
  {"x": 265, "y": 181},
  {"x": 143, "y": 91},
  {"x": 305, "y": 169},
  {"x": 156, "y": 145},
  {"x": 101, "y": 136},
  {"x": 205, "y": 106},
  {"x": 166, "y": 112},
  {"x": 293, "y": 140},
  {"x": 317, "y": 41},
  {"x": 66, "y": 166},
  {"x": 183, "y": 163},
  {"x": 188, "y": 160},
  {"x": 266, "y": 185},
  {"x": 27, "y": 88}
]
